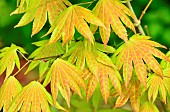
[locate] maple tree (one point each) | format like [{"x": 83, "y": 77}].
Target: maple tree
[{"x": 76, "y": 64}]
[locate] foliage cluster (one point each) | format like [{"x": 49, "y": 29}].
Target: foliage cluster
[{"x": 77, "y": 60}]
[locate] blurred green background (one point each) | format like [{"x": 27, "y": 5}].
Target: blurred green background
[{"x": 157, "y": 20}]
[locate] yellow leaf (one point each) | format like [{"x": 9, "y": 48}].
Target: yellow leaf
[
  {"x": 112, "y": 12},
  {"x": 65, "y": 76},
  {"x": 99, "y": 64},
  {"x": 73, "y": 16},
  {"x": 157, "y": 85},
  {"x": 149, "y": 107},
  {"x": 8, "y": 59},
  {"x": 33, "y": 97},
  {"x": 137, "y": 51},
  {"x": 37, "y": 10},
  {"x": 10, "y": 88}
]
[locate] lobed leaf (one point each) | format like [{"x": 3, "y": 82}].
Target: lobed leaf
[
  {"x": 10, "y": 88},
  {"x": 136, "y": 51},
  {"x": 148, "y": 107},
  {"x": 64, "y": 76},
  {"x": 8, "y": 59},
  {"x": 111, "y": 13},
  {"x": 73, "y": 16},
  {"x": 32, "y": 97}
]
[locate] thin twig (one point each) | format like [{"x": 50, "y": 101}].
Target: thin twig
[
  {"x": 144, "y": 11},
  {"x": 137, "y": 22},
  {"x": 23, "y": 55},
  {"x": 83, "y": 3},
  {"x": 22, "y": 67},
  {"x": 146, "y": 29}
]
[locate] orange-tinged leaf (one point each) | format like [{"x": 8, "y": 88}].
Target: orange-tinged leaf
[
  {"x": 111, "y": 13},
  {"x": 32, "y": 97},
  {"x": 135, "y": 95},
  {"x": 92, "y": 83},
  {"x": 73, "y": 16},
  {"x": 8, "y": 59},
  {"x": 132, "y": 92},
  {"x": 136, "y": 51},
  {"x": 99, "y": 64},
  {"x": 10, "y": 88},
  {"x": 104, "y": 82},
  {"x": 65, "y": 76},
  {"x": 105, "y": 73},
  {"x": 37, "y": 10}
]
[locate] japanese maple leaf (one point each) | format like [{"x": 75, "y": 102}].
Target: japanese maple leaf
[
  {"x": 37, "y": 10},
  {"x": 113, "y": 13},
  {"x": 105, "y": 74},
  {"x": 156, "y": 84},
  {"x": 102, "y": 69},
  {"x": 64, "y": 76},
  {"x": 139, "y": 50},
  {"x": 31, "y": 98},
  {"x": 73, "y": 16},
  {"x": 10, "y": 88},
  {"x": 132, "y": 92},
  {"x": 43, "y": 55},
  {"x": 8, "y": 59}
]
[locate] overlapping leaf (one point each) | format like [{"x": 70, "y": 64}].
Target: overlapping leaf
[
  {"x": 157, "y": 85},
  {"x": 99, "y": 64},
  {"x": 132, "y": 92},
  {"x": 64, "y": 76},
  {"x": 33, "y": 98},
  {"x": 10, "y": 88},
  {"x": 42, "y": 54},
  {"x": 8, "y": 59},
  {"x": 139, "y": 50},
  {"x": 37, "y": 10},
  {"x": 72, "y": 17},
  {"x": 104, "y": 75},
  {"x": 112, "y": 12}
]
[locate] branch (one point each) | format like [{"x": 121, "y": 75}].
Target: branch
[
  {"x": 137, "y": 22},
  {"x": 144, "y": 11},
  {"x": 22, "y": 67}
]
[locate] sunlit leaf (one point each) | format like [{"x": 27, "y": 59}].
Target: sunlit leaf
[
  {"x": 73, "y": 16},
  {"x": 46, "y": 50},
  {"x": 113, "y": 13},
  {"x": 37, "y": 11},
  {"x": 64, "y": 76},
  {"x": 8, "y": 59},
  {"x": 155, "y": 85},
  {"x": 104, "y": 75},
  {"x": 43, "y": 53},
  {"x": 99, "y": 64},
  {"x": 149, "y": 107},
  {"x": 139, "y": 50},
  {"x": 10, "y": 88},
  {"x": 31, "y": 98},
  {"x": 132, "y": 93}
]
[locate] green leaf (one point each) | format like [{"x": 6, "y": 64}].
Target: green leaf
[
  {"x": 149, "y": 107},
  {"x": 46, "y": 50},
  {"x": 102, "y": 48},
  {"x": 9, "y": 58},
  {"x": 10, "y": 88}
]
